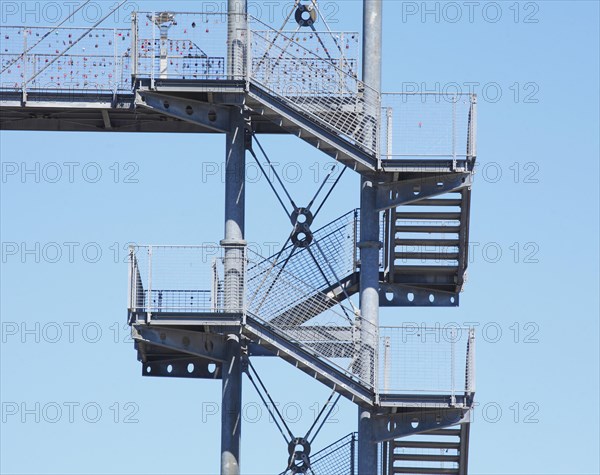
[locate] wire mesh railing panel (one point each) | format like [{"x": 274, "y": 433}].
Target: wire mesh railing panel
[
  {"x": 329, "y": 258},
  {"x": 186, "y": 46},
  {"x": 339, "y": 458},
  {"x": 57, "y": 59},
  {"x": 285, "y": 304},
  {"x": 426, "y": 125},
  {"x": 318, "y": 82},
  {"x": 315, "y": 58},
  {"x": 415, "y": 359},
  {"x": 187, "y": 280}
]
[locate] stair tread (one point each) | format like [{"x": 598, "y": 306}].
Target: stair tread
[
  {"x": 416, "y": 216},
  {"x": 427, "y": 242},
  {"x": 427, "y": 229},
  {"x": 425, "y": 444},
  {"x": 434, "y": 255},
  {"x": 437, "y": 202},
  {"x": 425, "y": 458},
  {"x": 425, "y": 470}
]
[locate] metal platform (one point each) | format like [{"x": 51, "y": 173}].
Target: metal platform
[
  {"x": 286, "y": 312},
  {"x": 94, "y": 79}
]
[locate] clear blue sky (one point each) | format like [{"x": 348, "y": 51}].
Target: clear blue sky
[{"x": 537, "y": 385}]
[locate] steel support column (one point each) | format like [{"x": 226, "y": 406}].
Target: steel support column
[
  {"x": 234, "y": 293},
  {"x": 369, "y": 244},
  {"x": 231, "y": 405}
]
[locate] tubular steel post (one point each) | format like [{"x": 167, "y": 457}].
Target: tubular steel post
[
  {"x": 149, "y": 304},
  {"x": 235, "y": 163},
  {"x": 236, "y": 26},
  {"x": 24, "y": 84},
  {"x": 369, "y": 242},
  {"x": 134, "y": 45}
]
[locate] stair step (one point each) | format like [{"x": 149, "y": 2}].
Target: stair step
[
  {"x": 425, "y": 444},
  {"x": 428, "y": 242},
  {"x": 425, "y": 216},
  {"x": 428, "y": 229},
  {"x": 425, "y": 458},
  {"x": 427, "y": 256},
  {"x": 426, "y": 269},
  {"x": 437, "y": 202},
  {"x": 424, "y": 470},
  {"x": 447, "y": 432}
]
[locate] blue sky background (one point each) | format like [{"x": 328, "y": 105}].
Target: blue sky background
[{"x": 543, "y": 378}]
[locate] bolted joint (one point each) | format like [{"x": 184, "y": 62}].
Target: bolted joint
[{"x": 370, "y": 245}]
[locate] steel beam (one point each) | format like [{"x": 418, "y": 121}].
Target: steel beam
[
  {"x": 204, "y": 345},
  {"x": 369, "y": 244},
  {"x": 412, "y": 422},
  {"x": 392, "y": 195},
  {"x": 210, "y": 116}
]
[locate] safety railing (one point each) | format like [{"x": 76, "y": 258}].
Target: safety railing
[
  {"x": 185, "y": 280},
  {"x": 188, "y": 282},
  {"x": 417, "y": 359},
  {"x": 418, "y": 126},
  {"x": 314, "y": 72},
  {"x": 318, "y": 82},
  {"x": 65, "y": 59},
  {"x": 185, "y": 46}
]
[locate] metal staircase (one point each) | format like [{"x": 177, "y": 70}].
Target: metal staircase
[
  {"x": 436, "y": 452},
  {"x": 419, "y": 150}
]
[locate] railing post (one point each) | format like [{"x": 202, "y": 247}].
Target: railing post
[
  {"x": 131, "y": 279},
  {"x": 115, "y": 65},
  {"x": 473, "y": 127},
  {"x": 386, "y": 361},
  {"x": 149, "y": 301},
  {"x": 470, "y": 371},
  {"x": 134, "y": 46},
  {"x": 153, "y": 49},
  {"x": 389, "y": 113},
  {"x": 24, "y": 85},
  {"x": 452, "y": 366},
  {"x": 248, "y": 55},
  {"x": 454, "y": 132}
]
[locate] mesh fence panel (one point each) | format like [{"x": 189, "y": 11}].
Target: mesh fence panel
[
  {"x": 338, "y": 458},
  {"x": 419, "y": 359},
  {"x": 65, "y": 59},
  {"x": 418, "y": 126}
]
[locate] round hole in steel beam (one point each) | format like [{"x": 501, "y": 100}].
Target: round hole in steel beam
[
  {"x": 190, "y": 368},
  {"x": 148, "y": 369},
  {"x": 414, "y": 424},
  {"x": 391, "y": 426},
  {"x": 212, "y": 368},
  {"x": 452, "y": 300},
  {"x": 431, "y": 298},
  {"x": 389, "y": 296},
  {"x": 212, "y": 116},
  {"x": 410, "y": 296},
  {"x": 170, "y": 369},
  {"x": 189, "y": 110}
]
